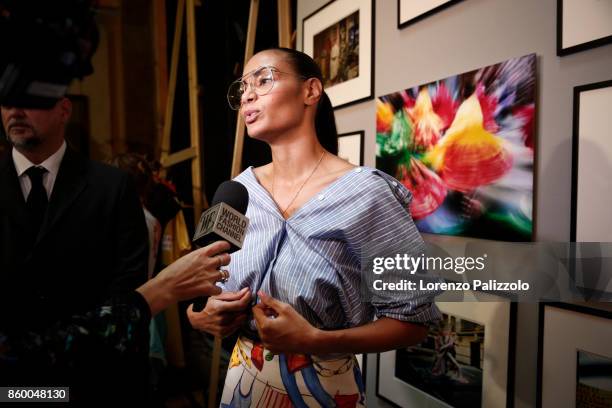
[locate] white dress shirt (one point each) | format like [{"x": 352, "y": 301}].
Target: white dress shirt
[{"x": 52, "y": 165}]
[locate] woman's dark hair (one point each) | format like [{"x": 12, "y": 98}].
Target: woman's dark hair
[{"x": 325, "y": 121}]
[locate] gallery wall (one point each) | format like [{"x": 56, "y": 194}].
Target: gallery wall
[{"x": 470, "y": 35}]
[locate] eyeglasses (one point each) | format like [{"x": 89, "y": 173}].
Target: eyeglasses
[{"x": 261, "y": 81}]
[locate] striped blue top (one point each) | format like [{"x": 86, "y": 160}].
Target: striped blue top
[{"x": 313, "y": 259}]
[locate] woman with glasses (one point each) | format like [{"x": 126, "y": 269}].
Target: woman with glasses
[{"x": 297, "y": 290}]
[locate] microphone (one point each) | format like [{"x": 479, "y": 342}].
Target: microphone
[{"x": 223, "y": 221}]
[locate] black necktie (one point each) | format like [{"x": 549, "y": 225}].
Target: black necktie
[{"x": 37, "y": 199}]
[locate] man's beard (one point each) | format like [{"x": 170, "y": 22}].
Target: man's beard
[{"x": 26, "y": 143}]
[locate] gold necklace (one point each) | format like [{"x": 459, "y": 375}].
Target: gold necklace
[{"x": 284, "y": 212}]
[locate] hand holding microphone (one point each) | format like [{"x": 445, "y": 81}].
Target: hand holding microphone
[
  {"x": 220, "y": 231},
  {"x": 194, "y": 274},
  {"x": 224, "y": 220},
  {"x": 198, "y": 272}
]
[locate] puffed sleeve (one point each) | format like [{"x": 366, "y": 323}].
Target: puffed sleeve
[{"x": 386, "y": 229}]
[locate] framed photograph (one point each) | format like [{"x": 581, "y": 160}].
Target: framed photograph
[
  {"x": 583, "y": 24},
  {"x": 465, "y": 361},
  {"x": 340, "y": 38},
  {"x": 592, "y": 163},
  {"x": 465, "y": 147},
  {"x": 577, "y": 370},
  {"x": 411, "y": 11},
  {"x": 350, "y": 147}
]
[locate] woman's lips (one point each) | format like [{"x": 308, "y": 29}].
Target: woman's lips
[{"x": 250, "y": 116}]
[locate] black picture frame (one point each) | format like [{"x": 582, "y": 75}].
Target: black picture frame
[
  {"x": 576, "y": 150},
  {"x": 589, "y": 311},
  {"x": 583, "y": 250},
  {"x": 510, "y": 373},
  {"x": 365, "y": 95},
  {"x": 361, "y": 134},
  {"x": 434, "y": 10},
  {"x": 561, "y": 51}
]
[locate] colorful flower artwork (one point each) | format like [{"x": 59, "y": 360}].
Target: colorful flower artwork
[{"x": 464, "y": 146}]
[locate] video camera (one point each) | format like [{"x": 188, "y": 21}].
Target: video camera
[{"x": 45, "y": 45}]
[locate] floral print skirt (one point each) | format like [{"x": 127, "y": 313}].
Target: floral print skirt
[{"x": 258, "y": 378}]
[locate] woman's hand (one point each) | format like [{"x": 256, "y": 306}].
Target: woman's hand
[
  {"x": 282, "y": 329},
  {"x": 223, "y": 314},
  {"x": 192, "y": 275}
]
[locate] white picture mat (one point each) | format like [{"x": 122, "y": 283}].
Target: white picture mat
[
  {"x": 359, "y": 87},
  {"x": 585, "y": 21},
  {"x": 349, "y": 148},
  {"x": 594, "y": 198},
  {"x": 566, "y": 332},
  {"x": 495, "y": 317},
  {"x": 410, "y": 9}
]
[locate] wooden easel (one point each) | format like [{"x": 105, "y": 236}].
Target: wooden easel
[
  {"x": 165, "y": 103},
  {"x": 192, "y": 153}
]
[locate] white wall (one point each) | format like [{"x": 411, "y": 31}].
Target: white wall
[{"x": 469, "y": 35}]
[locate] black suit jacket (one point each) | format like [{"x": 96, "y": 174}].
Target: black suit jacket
[{"x": 92, "y": 244}]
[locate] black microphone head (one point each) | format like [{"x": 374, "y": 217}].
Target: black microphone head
[{"x": 233, "y": 194}]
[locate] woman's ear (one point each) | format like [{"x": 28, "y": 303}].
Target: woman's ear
[{"x": 314, "y": 90}]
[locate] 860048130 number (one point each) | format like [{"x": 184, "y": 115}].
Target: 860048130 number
[{"x": 34, "y": 394}]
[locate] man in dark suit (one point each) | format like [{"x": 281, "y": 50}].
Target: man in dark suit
[{"x": 72, "y": 233}]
